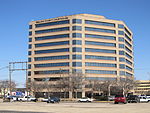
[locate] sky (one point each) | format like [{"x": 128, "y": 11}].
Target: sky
[{"x": 16, "y": 14}]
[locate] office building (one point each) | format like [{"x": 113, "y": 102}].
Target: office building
[
  {"x": 99, "y": 48},
  {"x": 142, "y": 87}
]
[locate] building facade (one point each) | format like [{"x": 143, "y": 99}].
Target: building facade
[
  {"x": 100, "y": 48},
  {"x": 142, "y": 87}
]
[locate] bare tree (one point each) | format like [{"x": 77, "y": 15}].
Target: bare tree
[
  {"x": 126, "y": 85},
  {"x": 5, "y": 85},
  {"x": 36, "y": 87}
]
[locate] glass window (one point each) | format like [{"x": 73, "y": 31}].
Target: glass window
[
  {"x": 121, "y": 32},
  {"x": 30, "y": 39},
  {"x": 77, "y": 64},
  {"x": 77, "y": 49},
  {"x": 128, "y": 43},
  {"x": 101, "y": 72},
  {"x": 127, "y": 61},
  {"x": 77, "y": 42},
  {"x": 122, "y": 72},
  {"x": 51, "y": 64},
  {"x": 77, "y": 21},
  {"x": 99, "y": 23},
  {"x": 52, "y": 30},
  {"x": 128, "y": 38},
  {"x": 53, "y": 23},
  {"x": 121, "y": 53},
  {"x": 121, "y": 45},
  {"x": 78, "y": 28},
  {"x": 121, "y": 39},
  {"x": 52, "y": 44},
  {"x": 100, "y": 57},
  {"x": 100, "y": 50},
  {"x": 129, "y": 74},
  {"x": 100, "y": 37},
  {"x": 29, "y": 66},
  {"x": 129, "y": 68},
  {"x": 51, "y": 72},
  {"x": 100, "y": 43},
  {"x": 30, "y": 33},
  {"x": 120, "y": 26},
  {"x": 29, "y": 52},
  {"x": 122, "y": 66},
  {"x": 51, "y": 58},
  {"x": 52, "y": 51},
  {"x": 129, "y": 56},
  {"x": 127, "y": 32},
  {"x": 30, "y": 26},
  {"x": 100, "y": 78},
  {"x": 76, "y": 35},
  {"x": 29, "y": 46},
  {"x": 100, "y": 64},
  {"x": 127, "y": 49},
  {"x": 77, "y": 70},
  {"x": 99, "y": 30},
  {"x": 76, "y": 56},
  {"x": 29, "y": 73},
  {"x": 29, "y": 59},
  {"x": 121, "y": 59},
  {"x": 52, "y": 37}
]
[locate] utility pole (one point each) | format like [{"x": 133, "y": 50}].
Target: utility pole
[
  {"x": 10, "y": 77},
  {"x": 17, "y": 66}
]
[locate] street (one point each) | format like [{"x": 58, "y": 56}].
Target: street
[{"x": 69, "y": 107}]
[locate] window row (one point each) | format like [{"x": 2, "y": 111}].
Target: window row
[
  {"x": 52, "y": 30},
  {"x": 100, "y": 57},
  {"x": 127, "y": 31},
  {"x": 127, "y": 37},
  {"x": 51, "y": 72},
  {"x": 101, "y": 78},
  {"x": 100, "y": 43},
  {"x": 128, "y": 43},
  {"x": 99, "y": 30},
  {"x": 52, "y": 23},
  {"x": 100, "y": 64},
  {"x": 127, "y": 49},
  {"x": 100, "y": 50},
  {"x": 51, "y": 58},
  {"x": 51, "y": 64},
  {"x": 100, "y": 72},
  {"x": 52, "y": 44},
  {"x": 100, "y": 37},
  {"x": 52, "y": 51},
  {"x": 125, "y": 73},
  {"x": 99, "y": 23},
  {"x": 52, "y": 37}
]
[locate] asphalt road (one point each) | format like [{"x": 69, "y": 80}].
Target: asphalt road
[{"x": 65, "y": 107}]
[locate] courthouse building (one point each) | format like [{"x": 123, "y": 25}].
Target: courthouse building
[{"x": 99, "y": 48}]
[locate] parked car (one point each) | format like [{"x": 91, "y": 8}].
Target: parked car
[
  {"x": 44, "y": 100},
  {"x": 27, "y": 98},
  {"x": 111, "y": 98},
  {"x": 85, "y": 99},
  {"x": 144, "y": 99},
  {"x": 133, "y": 98},
  {"x": 12, "y": 98},
  {"x": 53, "y": 100},
  {"x": 120, "y": 99}
]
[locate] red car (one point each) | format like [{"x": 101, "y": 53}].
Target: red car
[{"x": 120, "y": 99}]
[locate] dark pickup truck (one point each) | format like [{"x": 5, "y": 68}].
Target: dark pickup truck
[{"x": 133, "y": 98}]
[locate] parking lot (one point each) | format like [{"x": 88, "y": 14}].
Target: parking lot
[{"x": 70, "y": 107}]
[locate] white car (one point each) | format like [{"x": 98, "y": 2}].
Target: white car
[
  {"x": 144, "y": 99},
  {"x": 85, "y": 99},
  {"x": 27, "y": 98}
]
